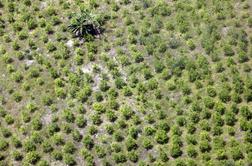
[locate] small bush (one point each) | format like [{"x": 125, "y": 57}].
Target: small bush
[
  {"x": 88, "y": 142},
  {"x": 69, "y": 159},
  {"x": 161, "y": 137},
  {"x": 131, "y": 144},
  {"x": 32, "y": 157},
  {"x": 175, "y": 151},
  {"x": 192, "y": 152},
  {"x": 99, "y": 108},
  {"x": 119, "y": 158},
  {"x": 3, "y": 145},
  {"x": 147, "y": 144},
  {"x": 228, "y": 51},
  {"x": 17, "y": 155}
]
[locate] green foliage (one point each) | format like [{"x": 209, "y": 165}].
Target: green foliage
[
  {"x": 69, "y": 159},
  {"x": 88, "y": 142},
  {"x": 3, "y": 145},
  {"x": 69, "y": 116},
  {"x": 119, "y": 158},
  {"x": 147, "y": 144},
  {"x": 99, "y": 108},
  {"x": 161, "y": 137},
  {"x": 133, "y": 83},
  {"x": 228, "y": 51},
  {"x": 32, "y": 157},
  {"x": 85, "y": 23},
  {"x": 131, "y": 144},
  {"x": 17, "y": 155},
  {"x": 127, "y": 112},
  {"x": 175, "y": 151}
]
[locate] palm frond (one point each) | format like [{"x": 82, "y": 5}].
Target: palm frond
[{"x": 85, "y": 23}]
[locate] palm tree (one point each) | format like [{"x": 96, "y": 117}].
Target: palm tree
[{"x": 85, "y": 23}]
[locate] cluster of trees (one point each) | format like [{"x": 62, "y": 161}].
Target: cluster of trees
[{"x": 160, "y": 87}]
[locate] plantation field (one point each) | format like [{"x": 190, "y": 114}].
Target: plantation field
[{"x": 126, "y": 82}]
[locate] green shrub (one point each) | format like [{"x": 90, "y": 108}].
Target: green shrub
[
  {"x": 104, "y": 86},
  {"x": 246, "y": 112},
  {"x": 47, "y": 147},
  {"x": 175, "y": 130},
  {"x": 96, "y": 119},
  {"x": 192, "y": 152},
  {"x": 127, "y": 91},
  {"x": 69, "y": 148},
  {"x": 15, "y": 45},
  {"x": 3, "y": 145},
  {"x": 99, "y": 108},
  {"x": 118, "y": 136},
  {"x": 127, "y": 112},
  {"x": 119, "y": 158},
  {"x": 32, "y": 157},
  {"x": 84, "y": 93},
  {"x": 133, "y": 132},
  {"x": 36, "y": 137},
  {"x": 88, "y": 142},
  {"x": 181, "y": 121},
  {"x": 100, "y": 151},
  {"x": 58, "y": 139},
  {"x": 9, "y": 119},
  {"x": 228, "y": 51},
  {"x": 43, "y": 163},
  {"x": 163, "y": 155},
  {"x": 217, "y": 130},
  {"x": 36, "y": 124},
  {"x": 68, "y": 116},
  {"x": 133, "y": 156},
  {"x": 160, "y": 8},
  {"x": 60, "y": 92},
  {"x": 191, "y": 45},
  {"x": 17, "y": 76},
  {"x": 204, "y": 146},
  {"x": 248, "y": 95},
  {"x": 236, "y": 153},
  {"x": 161, "y": 137},
  {"x": 224, "y": 96},
  {"x": 81, "y": 121},
  {"x": 17, "y": 155},
  {"x": 138, "y": 57},
  {"x": 76, "y": 135},
  {"x": 29, "y": 146},
  {"x": 98, "y": 96},
  {"x": 147, "y": 73},
  {"x": 69, "y": 159},
  {"x": 111, "y": 116},
  {"x": 205, "y": 125},
  {"x": 209, "y": 102},
  {"x": 175, "y": 151},
  {"x": 174, "y": 42},
  {"x": 47, "y": 100},
  {"x": 242, "y": 57},
  {"x": 248, "y": 137},
  {"x": 149, "y": 130},
  {"x": 221, "y": 155},
  {"x": 163, "y": 125},
  {"x": 131, "y": 144},
  {"x": 51, "y": 47},
  {"x": 230, "y": 118},
  {"x": 147, "y": 144},
  {"x": 17, "y": 97},
  {"x": 220, "y": 108},
  {"x": 57, "y": 155},
  {"x": 32, "y": 24},
  {"x": 16, "y": 142}
]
